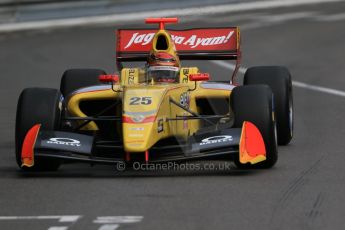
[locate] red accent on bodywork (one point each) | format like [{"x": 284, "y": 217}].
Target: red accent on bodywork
[
  {"x": 252, "y": 145},
  {"x": 166, "y": 80},
  {"x": 27, "y": 153},
  {"x": 126, "y": 119},
  {"x": 161, "y": 21},
  {"x": 147, "y": 156},
  {"x": 108, "y": 78},
  {"x": 128, "y": 156},
  {"x": 199, "y": 77}
]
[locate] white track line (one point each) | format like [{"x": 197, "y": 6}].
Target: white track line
[
  {"x": 330, "y": 18},
  {"x": 59, "y": 218},
  {"x": 118, "y": 219},
  {"x": 294, "y": 83},
  {"x": 58, "y": 228},
  {"x": 129, "y": 17},
  {"x": 109, "y": 227},
  {"x": 319, "y": 88}
]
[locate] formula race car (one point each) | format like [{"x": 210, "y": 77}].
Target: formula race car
[{"x": 161, "y": 111}]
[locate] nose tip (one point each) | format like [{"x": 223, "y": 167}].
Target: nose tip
[{"x": 137, "y": 137}]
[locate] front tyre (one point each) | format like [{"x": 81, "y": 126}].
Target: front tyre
[
  {"x": 254, "y": 104},
  {"x": 37, "y": 106}
]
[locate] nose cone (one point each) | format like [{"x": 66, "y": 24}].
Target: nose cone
[
  {"x": 141, "y": 106},
  {"x": 137, "y": 137}
]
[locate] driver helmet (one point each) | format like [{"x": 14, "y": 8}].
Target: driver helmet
[{"x": 163, "y": 67}]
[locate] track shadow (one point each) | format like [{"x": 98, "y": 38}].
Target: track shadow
[{"x": 111, "y": 172}]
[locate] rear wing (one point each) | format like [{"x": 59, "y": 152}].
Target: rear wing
[{"x": 191, "y": 44}]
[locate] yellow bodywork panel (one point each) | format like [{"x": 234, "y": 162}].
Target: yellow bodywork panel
[
  {"x": 75, "y": 100},
  {"x": 170, "y": 44},
  {"x": 148, "y": 111},
  {"x": 132, "y": 76}
]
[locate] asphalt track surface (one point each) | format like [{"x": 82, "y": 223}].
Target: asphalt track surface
[{"x": 305, "y": 190}]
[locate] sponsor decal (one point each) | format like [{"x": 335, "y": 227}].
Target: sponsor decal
[
  {"x": 183, "y": 40},
  {"x": 216, "y": 139},
  {"x": 185, "y": 121},
  {"x": 138, "y": 118},
  {"x": 64, "y": 141},
  {"x": 194, "y": 41},
  {"x": 135, "y": 141},
  {"x": 136, "y": 128},
  {"x": 160, "y": 126},
  {"x": 131, "y": 74},
  {"x": 171, "y": 68},
  {"x": 191, "y": 41},
  {"x": 185, "y": 99},
  {"x": 140, "y": 100},
  {"x": 135, "y": 135},
  {"x": 142, "y": 39},
  {"x": 185, "y": 75}
]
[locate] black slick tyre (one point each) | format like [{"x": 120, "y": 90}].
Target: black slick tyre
[
  {"x": 74, "y": 79},
  {"x": 254, "y": 104},
  {"x": 37, "y": 106}
]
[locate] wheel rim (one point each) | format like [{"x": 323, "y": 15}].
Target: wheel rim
[
  {"x": 290, "y": 114},
  {"x": 274, "y": 123},
  {"x": 275, "y": 133}
]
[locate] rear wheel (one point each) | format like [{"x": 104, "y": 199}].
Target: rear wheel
[
  {"x": 74, "y": 79},
  {"x": 37, "y": 106},
  {"x": 254, "y": 104},
  {"x": 279, "y": 79}
]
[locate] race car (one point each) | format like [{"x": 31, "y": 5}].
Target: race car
[{"x": 160, "y": 111}]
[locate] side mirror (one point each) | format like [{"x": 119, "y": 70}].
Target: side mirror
[
  {"x": 108, "y": 78},
  {"x": 199, "y": 77}
]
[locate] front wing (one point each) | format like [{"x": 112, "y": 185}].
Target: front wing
[{"x": 245, "y": 144}]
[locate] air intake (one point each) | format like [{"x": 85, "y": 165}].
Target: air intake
[{"x": 162, "y": 42}]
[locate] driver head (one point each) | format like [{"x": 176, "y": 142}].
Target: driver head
[{"x": 163, "y": 67}]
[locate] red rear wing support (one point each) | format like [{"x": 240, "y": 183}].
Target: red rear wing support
[
  {"x": 161, "y": 21},
  {"x": 192, "y": 44}
]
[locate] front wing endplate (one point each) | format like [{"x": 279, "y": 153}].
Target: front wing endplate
[{"x": 252, "y": 145}]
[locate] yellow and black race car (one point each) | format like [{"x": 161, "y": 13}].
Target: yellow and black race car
[{"x": 162, "y": 111}]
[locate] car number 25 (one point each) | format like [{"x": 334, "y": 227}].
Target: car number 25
[{"x": 140, "y": 100}]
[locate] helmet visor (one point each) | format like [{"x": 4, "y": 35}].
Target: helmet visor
[{"x": 163, "y": 73}]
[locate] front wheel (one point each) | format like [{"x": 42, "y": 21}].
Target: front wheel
[
  {"x": 37, "y": 106},
  {"x": 254, "y": 104}
]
